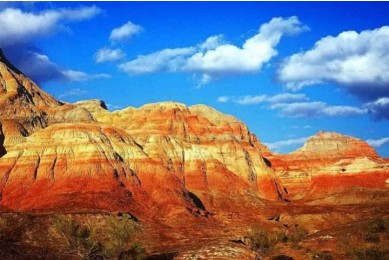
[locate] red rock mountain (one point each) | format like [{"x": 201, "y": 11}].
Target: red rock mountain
[
  {"x": 330, "y": 163},
  {"x": 163, "y": 158}
]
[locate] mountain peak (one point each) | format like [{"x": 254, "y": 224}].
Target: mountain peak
[
  {"x": 7, "y": 63},
  {"x": 332, "y": 144}
]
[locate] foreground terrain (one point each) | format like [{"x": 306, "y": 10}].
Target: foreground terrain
[{"x": 167, "y": 181}]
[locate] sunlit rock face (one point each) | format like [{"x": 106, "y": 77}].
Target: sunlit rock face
[
  {"x": 162, "y": 157},
  {"x": 330, "y": 163},
  {"x": 159, "y": 159}
]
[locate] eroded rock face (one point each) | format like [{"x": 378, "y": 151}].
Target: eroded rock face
[
  {"x": 330, "y": 163},
  {"x": 2, "y": 148},
  {"x": 159, "y": 159},
  {"x": 162, "y": 157}
]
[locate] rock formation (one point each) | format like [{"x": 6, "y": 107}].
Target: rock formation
[
  {"x": 158, "y": 158},
  {"x": 330, "y": 163},
  {"x": 162, "y": 158}
]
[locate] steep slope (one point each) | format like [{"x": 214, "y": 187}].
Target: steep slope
[
  {"x": 159, "y": 158},
  {"x": 330, "y": 163},
  {"x": 84, "y": 167},
  {"x": 210, "y": 152},
  {"x": 25, "y": 108}
]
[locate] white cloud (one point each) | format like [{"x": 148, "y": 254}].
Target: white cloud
[
  {"x": 113, "y": 107},
  {"x": 316, "y": 109},
  {"x": 279, "y": 145},
  {"x": 256, "y": 51},
  {"x": 212, "y": 42},
  {"x": 73, "y": 92},
  {"x": 213, "y": 58},
  {"x": 18, "y": 26},
  {"x": 295, "y": 105},
  {"x": 287, "y": 98},
  {"x": 165, "y": 60},
  {"x": 126, "y": 31},
  {"x": 378, "y": 142},
  {"x": 379, "y": 108},
  {"x": 350, "y": 59},
  {"x": 73, "y": 75},
  {"x": 41, "y": 69},
  {"x": 223, "y": 99},
  {"x": 107, "y": 54},
  {"x": 252, "y": 100},
  {"x": 19, "y": 29}
]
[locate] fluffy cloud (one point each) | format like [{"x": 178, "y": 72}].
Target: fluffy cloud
[
  {"x": 295, "y": 105},
  {"x": 379, "y": 108},
  {"x": 124, "y": 32},
  {"x": 279, "y": 145},
  {"x": 378, "y": 142},
  {"x": 358, "y": 62},
  {"x": 19, "y": 29},
  {"x": 107, "y": 54},
  {"x": 316, "y": 109},
  {"x": 73, "y": 92},
  {"x": 18, "y": 26},
  {"x": 252, "y": 100},
  {"x": 165, "y": 60},
  {"x": 41, "y": 69},
  {"x": 214, "y": 58},
  {"x": 74, "y": 75}
]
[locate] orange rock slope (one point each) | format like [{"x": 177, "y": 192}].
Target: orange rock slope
[
  {"x": 163, "y": 158},
  {"x": 330, "y": 163}
]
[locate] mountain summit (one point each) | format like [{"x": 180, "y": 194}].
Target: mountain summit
[{"x": 159, "y": 158}]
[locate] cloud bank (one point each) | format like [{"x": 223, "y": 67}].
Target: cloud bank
[
  {"x": 125, "y": 32},
  {"x": 356, "y": 62},
  {"x": 19, "y": 29},
  {"x": 215, "y": 58},
  {"x": 279, "y": 145},
  {"x": 295, "y": 105}
]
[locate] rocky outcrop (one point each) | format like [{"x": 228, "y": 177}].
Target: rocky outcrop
[
  {"x": 2, "y": 148},
  {"x": 330, "y": 163},
  {"x": 160, "y": 157},
  {"x": 163, "y": 158}
]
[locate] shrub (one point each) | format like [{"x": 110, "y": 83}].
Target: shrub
[
  {"x": 77, "y": 236},
  {"x": 372, "y": 238},
  {"x": 120, "y": 231},
  {"x": 379, "y": 225},
  {"x": 299, "y": 235},
  {"x": 372, "y": 253},
  {"x": 282, "y": 236},
  {"x": 325, "y": 255},
  {"x": 264, "y": 241}
]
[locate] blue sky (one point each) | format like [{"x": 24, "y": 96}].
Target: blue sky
[{"x": 286, "y": 69}]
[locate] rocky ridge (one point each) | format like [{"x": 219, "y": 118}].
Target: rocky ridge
[{"x": 163, "y": 158}]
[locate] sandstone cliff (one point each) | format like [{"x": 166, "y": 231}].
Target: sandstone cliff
[
  {"x": 161, "y": 157},
  {"x": 330, "y": 163}
]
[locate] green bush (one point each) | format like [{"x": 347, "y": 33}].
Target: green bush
[
  {"x": 325, "y": 255},
  {"x": 372, "y": 253},
  {"x": 119, "y": 234},
  {"x": 264, "y": 241},
  {"x": 379, "y": 225},
  {"x": 299, "y": 235},
  {"x": 372, "y": 238},
  {"x": 77, "y": 236}
]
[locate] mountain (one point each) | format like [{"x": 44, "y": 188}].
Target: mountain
[
  {"x": 159, "y": 159},
  {"x": 330, "y": 163},
  {"x": 162, "y": 157}
]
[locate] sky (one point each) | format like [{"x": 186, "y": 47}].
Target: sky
[{"x": 286, "y": 69}]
